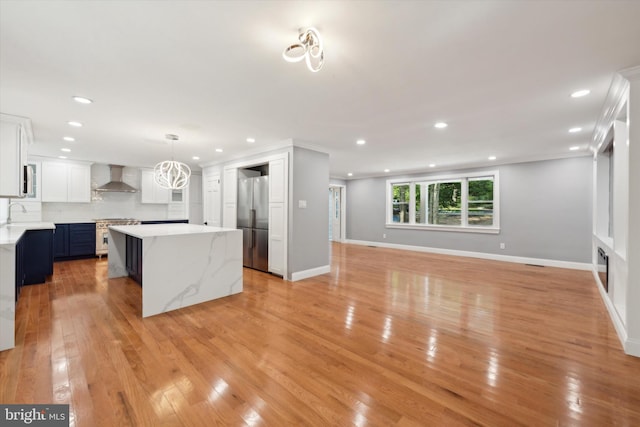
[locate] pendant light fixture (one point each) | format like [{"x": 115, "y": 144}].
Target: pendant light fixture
[
  {"x": 309, "y": 48},
  {"x": 172, "y": 174}
]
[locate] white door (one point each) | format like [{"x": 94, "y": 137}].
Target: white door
[{"x": 212, "y": 200}]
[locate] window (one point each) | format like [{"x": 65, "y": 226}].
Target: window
[
  {"x": 460, "y": 203},
  {"x": 480, "y": 202},
  {"x": 400, "y": 203}
]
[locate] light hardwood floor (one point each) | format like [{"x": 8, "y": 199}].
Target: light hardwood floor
[{"x": 388, "y": 338}]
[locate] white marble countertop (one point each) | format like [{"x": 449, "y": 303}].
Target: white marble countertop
[
  {"x": 157, "y": 230},
  {"x": 11, "y": 233}
]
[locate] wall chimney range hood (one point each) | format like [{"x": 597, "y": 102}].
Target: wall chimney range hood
[{"x": 116, "y": 184}]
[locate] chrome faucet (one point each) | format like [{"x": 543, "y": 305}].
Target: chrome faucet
[{"x": 24, "y": 210}]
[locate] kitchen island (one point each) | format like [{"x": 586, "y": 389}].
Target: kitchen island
[{"x": 177, "y": 265}]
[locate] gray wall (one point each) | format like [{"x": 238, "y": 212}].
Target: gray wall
[
  {"x": 545, "y": 212},
  {"x": 308, "y": 228}
]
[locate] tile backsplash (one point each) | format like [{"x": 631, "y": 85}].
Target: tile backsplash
[{"x": 107, "y": 205}]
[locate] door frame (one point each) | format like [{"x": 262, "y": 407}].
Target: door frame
[{"x": 343, "y": 212}]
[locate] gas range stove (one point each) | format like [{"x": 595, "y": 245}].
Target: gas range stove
[{"x": 106, "y": 222}]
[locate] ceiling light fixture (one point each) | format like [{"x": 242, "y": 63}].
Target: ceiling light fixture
[
  {"x": 441, "y": 125},
  {"x": 82, "y": 100},
  {"x": 361, "y": 142},
  {"x": 432, "y": 165},
  {"x": 580, "y": 93},
  {"x": 196, "y": 158},
  {"x": 171, "y": 174},
  {"x": 62, "y": 157},
  {"x": 218, "y": 150},
  {"x": 309, "y": 48},
  {"x": 75, "y": 124},
  {"x": 574, "y": 148},
  {"x": 66, "y": 150},
  {"x": 492, "y": 157},
  {"x": 349, "y": 174},
  {"x": 574, "y": 130},
  {"x": 69, "y": 138},
  {"x": 387, "y": 170},
  {"x": 251, "y": 140}
]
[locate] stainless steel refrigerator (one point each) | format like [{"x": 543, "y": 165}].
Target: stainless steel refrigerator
[{"x": 253, "y": 220}]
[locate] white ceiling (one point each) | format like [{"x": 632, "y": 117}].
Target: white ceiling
[{"x": 499, "y": 73}]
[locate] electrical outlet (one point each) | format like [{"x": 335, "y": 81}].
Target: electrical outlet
[
  {"x": 502, "y": 246},
  {"x": 384, "y": 236}
]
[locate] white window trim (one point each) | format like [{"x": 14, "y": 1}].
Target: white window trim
[{"x": 464, "y": 227}]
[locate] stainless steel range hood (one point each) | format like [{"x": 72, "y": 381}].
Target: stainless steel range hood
[{"x": 116, "y": 184}]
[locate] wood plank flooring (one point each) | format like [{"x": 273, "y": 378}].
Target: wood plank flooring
[{"x": 388, "y": 338}]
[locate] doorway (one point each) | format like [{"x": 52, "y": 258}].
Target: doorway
[
  {"x": 336, "y": 213},
  {"x": 212, "y": 200}
]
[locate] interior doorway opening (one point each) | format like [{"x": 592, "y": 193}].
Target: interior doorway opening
[{"x": 337, "y": 226}]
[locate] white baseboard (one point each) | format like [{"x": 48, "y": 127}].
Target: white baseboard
[
  {"x": 632, "y": 347},
  {"x": 305, "y": 274},
  {"x": 484, "y": 255},
  {"x": 618, "y": 325}
]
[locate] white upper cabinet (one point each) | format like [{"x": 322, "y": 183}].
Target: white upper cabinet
[
  {"x": 277, "y": 186},
  {"x": 150, "y": 191},
  {"x": 66, "y": 182},
  {"x": 15, "y": 137}
]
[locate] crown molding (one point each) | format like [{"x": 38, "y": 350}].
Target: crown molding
[
  {"x": 613, "y": 104},
  {"x": 632, "y": 73}
]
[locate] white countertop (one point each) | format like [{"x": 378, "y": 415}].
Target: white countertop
[
  {"x": 155, "y": 230},
  {"x": 11, "y": 233}
]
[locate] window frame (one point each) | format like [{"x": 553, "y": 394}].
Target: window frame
[{"x": 428, "y": 179}]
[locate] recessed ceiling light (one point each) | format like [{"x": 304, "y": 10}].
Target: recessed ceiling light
[
  {"x": 69, "y": 138},
  {"x": 218, "y": 150},
  {"x": 387, "y": 170},
  {"x": 196, "y": 158},
  {"x": 251, "y": 140},
  {"x": 82, "y": 100},
  {"x": 441, "y": 125},
  {"x": 75, "y": 124},
  {"x": 349, "y": 174},
  {"x": 62, "y": 157},
  {"x": 574, "y": 148},
  {"x": 432, "y": 165},
  {"x": 574, "y": 130},
  {"x": 361, "y": 142},
  {"x": 580, "y": 93},
  {"x": 492, "y": 157},
  {"x": 66, "y": 150}
]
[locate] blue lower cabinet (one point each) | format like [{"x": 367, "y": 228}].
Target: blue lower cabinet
[
  {"x": 75, "y": 240},
  {"x": 82, "y": 239},
  {"x": 133, "y": 258},
  {"x": 34, "y": 258},
  {"x": 61, "y": 241}
]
